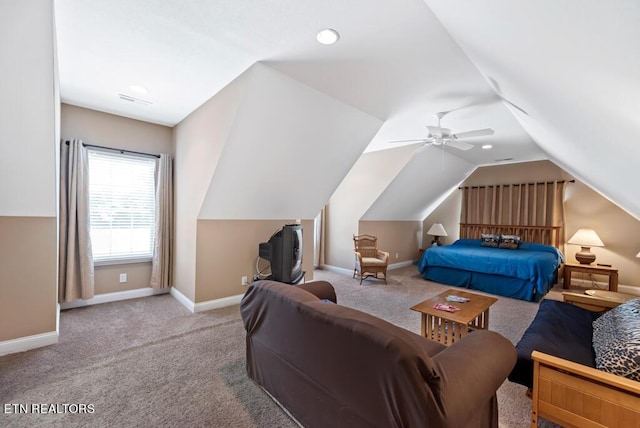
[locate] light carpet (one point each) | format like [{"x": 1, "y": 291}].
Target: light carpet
[{"x": 149, "y": 362}]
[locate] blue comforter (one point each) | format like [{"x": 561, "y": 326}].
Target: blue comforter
[{"x": 535, "y": 263}]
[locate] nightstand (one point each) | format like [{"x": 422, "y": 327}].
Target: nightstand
[{"x": 612, "y": 273}]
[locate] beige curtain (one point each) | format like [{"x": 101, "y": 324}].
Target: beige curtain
[
  {"x": 162, "y": 263},
  {"x": 76, "y": 275},
  {"x": 527, "y": 204},
  {"x": 319, "y": 238}
]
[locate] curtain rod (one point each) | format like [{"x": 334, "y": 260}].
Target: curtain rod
[
  {"x": 517, "y": 184},
  {"x": 117, "y": 150}
]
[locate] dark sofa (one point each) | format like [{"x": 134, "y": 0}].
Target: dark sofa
[
  {"x": 580, "y": 357},
  {"x": 560, "y": 329},
  {"x": 333, "y": 366}
]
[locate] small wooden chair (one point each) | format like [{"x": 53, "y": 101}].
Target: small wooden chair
[{"x": 369, "y": 260}]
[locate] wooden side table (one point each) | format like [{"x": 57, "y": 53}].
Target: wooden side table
[
  {"x": 596, "y": 300},
  {"x": 612, "y": 273},
  {"x": 449, "y": 327}
]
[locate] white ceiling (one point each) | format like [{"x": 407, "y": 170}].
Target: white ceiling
[{"x": 573, "y": 66}]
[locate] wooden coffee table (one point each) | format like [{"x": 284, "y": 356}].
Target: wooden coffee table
[{"x": 448, "y": 327}]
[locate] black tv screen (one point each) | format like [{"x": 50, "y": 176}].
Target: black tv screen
[{"x": 284, "y": 252}]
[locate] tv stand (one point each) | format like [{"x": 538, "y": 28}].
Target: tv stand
[{"x": 295, "y": 281}]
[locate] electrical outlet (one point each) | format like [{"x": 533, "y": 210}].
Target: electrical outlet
[
  {"x": 244, "y": 281},
  {"x": 397, "y": 255},
  {"x": 123, "y": 277}
]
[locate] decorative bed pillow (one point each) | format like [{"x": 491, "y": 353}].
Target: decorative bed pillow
[
  {"x": 616, "y": 340},
  {"x": 511, "y": 242},
  {"x": 489, "y": 240}
]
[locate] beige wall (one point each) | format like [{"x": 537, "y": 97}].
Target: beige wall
[
  {"x": 28, "y": 264},
  {"x": 584, "y": 208},
  {"x": 104, "y": 129},
  {"x": 368, "y": 178},
  {"x": 398, "y": 238},
  {"x": 28, "y": 146},
  {"x": 227, "y": 251}
]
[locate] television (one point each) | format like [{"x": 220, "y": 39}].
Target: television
[{"x": 284, "y": 253}]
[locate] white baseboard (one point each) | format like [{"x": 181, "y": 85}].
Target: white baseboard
[
  {"x": 205, "y": 306},
  {"x": 344, "y": 271},
  {"x": 114, "y": 297},
  {"x": 22, "y": 344},
  {"x": 337, "y": 269},
  {"x": 629, "y": 289},
  {"x": 218, "y": 303},
  {"x": 184, "y": 300},
  {"x": 400, "y": 264},
  {"x": 585, "y": 283}
]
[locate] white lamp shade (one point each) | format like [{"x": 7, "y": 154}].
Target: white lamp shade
[
  {"x": 638, "y": 255},
  {"x": 437, "y": 230},
  {"x": 586, "y": 238}
]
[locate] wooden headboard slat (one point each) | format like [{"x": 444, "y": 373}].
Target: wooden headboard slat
[{"x": 549, "y": 235}]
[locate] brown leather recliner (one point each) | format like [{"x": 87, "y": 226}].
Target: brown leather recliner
[{"x": 333, "y": 366}]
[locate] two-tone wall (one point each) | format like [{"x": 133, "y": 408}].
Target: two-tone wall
[
  {"x": 265, "y": 151},
  {"x": 104, "y": 129},
  {"x": 28, "y": 176}
]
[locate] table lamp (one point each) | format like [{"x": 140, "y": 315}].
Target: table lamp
[
  {"x": 586, "y": 238},
  {"x": 437, "y": 231}
]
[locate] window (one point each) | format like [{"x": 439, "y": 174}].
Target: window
[{"x": 122, "y": 206}]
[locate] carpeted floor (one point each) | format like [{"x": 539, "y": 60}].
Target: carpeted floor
[{"x": 149, "y": 362}]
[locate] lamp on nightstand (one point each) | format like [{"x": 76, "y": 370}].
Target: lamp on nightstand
[
  {"x": 586, "y": 238},
  {"x": 437, "y": 230}
]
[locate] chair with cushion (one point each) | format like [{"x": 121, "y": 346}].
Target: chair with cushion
[{"x": 369, "y": 260}]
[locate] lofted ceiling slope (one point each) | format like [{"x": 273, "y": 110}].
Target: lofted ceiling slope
[
  {"x": 275, "y": 157},
  {"x": 570, "y": 67},
  {"x": 573, "y": 66}
]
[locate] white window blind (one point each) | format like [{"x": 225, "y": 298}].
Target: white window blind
[{"x": 122, "y": 205}]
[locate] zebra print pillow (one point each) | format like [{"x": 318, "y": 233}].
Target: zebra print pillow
[
  {"x": 511, "y": 242},
  {"x": 489, "y": 240},
  {"x": 616, "y": 340}
]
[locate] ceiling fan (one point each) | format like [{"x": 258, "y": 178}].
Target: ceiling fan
[{"x": 439, "y": 136}]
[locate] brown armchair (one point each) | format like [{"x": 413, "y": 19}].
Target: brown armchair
[{"x": 369, "y": 260}]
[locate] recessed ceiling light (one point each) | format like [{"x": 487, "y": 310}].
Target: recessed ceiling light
[
  {"x": 487, "y": 146},
  {"x": 139, "y": 89},
  {"x": 328, "y": 36}
]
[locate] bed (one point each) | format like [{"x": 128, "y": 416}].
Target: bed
[{"x": 527, "y": 273}]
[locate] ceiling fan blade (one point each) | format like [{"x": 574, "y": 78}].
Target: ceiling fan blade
[
  {"x": 423, "y": 140},
  {"x": 476, "y": 133},
  {"x": 460, "y": 145}
]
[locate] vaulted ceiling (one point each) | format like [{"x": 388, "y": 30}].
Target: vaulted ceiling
[{"x": 556, "y": 80}]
